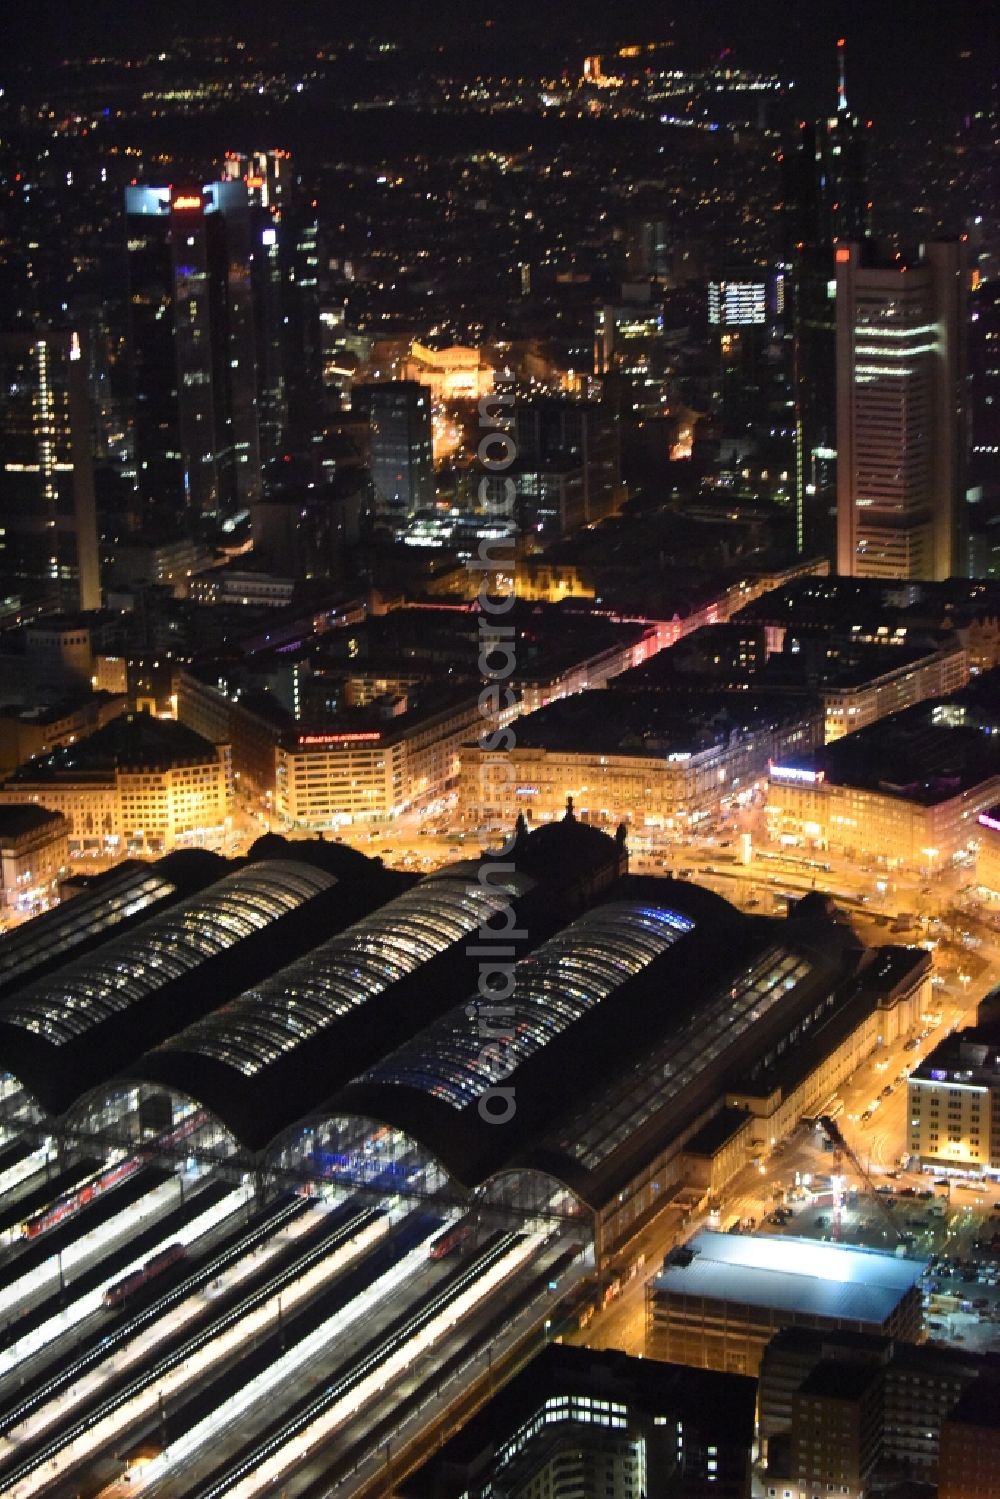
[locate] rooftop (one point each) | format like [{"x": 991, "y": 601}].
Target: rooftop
[
  {"x": 927, "y": 753},
  {"x": 16, "y": 821},
  {"x": 687, "y": 721},
  {"x": 979, "y": 1404},
  {"x": 109, "y": 1001},
  {"x": 970, "y": 1056},
  {"x": 648, "y": 1001},
  {"x": 833, "y": 1379},
  {"x": 703, "y": 1399},
  {"x": 717, "y": 1132},
  {"x": 132, "y": 742},
  {"x": 798, "y": 1276}
]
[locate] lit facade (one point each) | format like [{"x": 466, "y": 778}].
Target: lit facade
[
  {"x": 671, "y": 785},
  {"x": 627, "y": 337},
  {"x": 118, "y": 807},
  {"x": 867, "y": 822},
  {"x": 27, "y": 733},
  {"x": 853, "y": 707},
  {"x": 34, "y": 852},
  {"x": 577, "y": 1422},
  {"x": 48, "y": 523},
  {"x": 327, "y": 777},
  {"x": 718, "y": 1301},
  {"x": 401, "y": 446},
  {"x": 453, "y": 374},
  {"x": 988, "y": 855},
  {"x": 901, "y": 413},
  {"x": 826, "y": 199},
  {"x": 954, "y": 1105}
]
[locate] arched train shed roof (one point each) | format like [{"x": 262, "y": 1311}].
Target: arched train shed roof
[
  {"x": 64, "y": 1034},
  {"x": 106, "y": 906},
  {"x": 270, "y": 1055},
  {"x": 629, "y": 1010}
]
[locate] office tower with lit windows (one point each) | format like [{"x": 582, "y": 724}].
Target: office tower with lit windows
[
  {"x": 286, "y": 307},
  {"x": 48, "y": 527},
  {"x": 193, "y": 356},
  {"x": 742, "y": 316},
  {"x": 901, "y": 420},
  {"x": 826, "y": 200},
  {"x": 303, "y": 340},
  {"x": 267, "y": 176},
  {"x": 984, "y": 380},
  {"x": 401, "y": 454}
]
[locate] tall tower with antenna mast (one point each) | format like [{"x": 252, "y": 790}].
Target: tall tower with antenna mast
[
  {"x": 842, "y": 75},
  {"x": 826, "y": 201}
]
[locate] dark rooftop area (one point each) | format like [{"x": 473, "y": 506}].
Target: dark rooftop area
[
  {"x": 699, "y": 1397},
  {"x": 927, "y": 753},
  {"x": 979, "y": 1404},
  {"x": 134, "y": 741},
  {"x": 836, "y": 1379},
  {"x": 16, "y": 821},
  {"x": 618, "y": 721}
]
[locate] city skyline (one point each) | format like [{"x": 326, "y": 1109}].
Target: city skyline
[{"x": 500, "y": 752}]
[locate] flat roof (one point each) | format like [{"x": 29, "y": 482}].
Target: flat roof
[
  {"x": 19, "y": 819},
  {"x": 925, "y": 754},
  {"x": 718, "y": 1131},
  {"x": 692, "y": 717},
  {"x": 840, "y": 1379},
  {"x": 793, "y": 1275},
  {"x": 134, "y": 741}
]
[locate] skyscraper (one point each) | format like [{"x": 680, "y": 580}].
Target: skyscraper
[
  {"x": 826, "y": 200},
  {"x": 901, "y": 423},
  {"x": 285, "y": 286},
  {"x": 742, "y": 310},
  {"x": 267, "y": 176},
  {"x": 401, "y": 454},
  {"x": 192, "y": 347},
  {"x": 984, "y": 380},
  {"x": 48, "y": 528}
]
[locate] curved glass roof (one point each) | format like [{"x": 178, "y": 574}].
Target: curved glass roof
[
  {"x": 300, "y": 1001},
  {"x": 134, "y": 965},
  {"x": 456, "y": 1059},
  {"x": 594, "y": 1133},
  {"x": 81, "y": 917}
]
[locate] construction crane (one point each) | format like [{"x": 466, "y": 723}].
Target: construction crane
[{"x": 833, "y": 1132}]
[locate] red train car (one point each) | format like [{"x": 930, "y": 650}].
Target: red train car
[{"x": 449, "y": 1241}]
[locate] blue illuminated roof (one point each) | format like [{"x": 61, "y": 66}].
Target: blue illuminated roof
[
  {"x": 554, "y": 987},
  {"x": 793, "y": 1276}
]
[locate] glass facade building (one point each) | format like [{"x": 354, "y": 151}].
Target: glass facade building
[{"x": 193, "y": 355}]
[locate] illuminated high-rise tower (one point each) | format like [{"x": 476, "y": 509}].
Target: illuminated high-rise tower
[
  {"x": 192, "y": 350},
  {"x": 399, "y": 415},
  {"x": 48, "y": 528},
  {"x": 901, "y": 421},
  {"x": 285, "y": 281},
  {"x": 826, "y": 200}
]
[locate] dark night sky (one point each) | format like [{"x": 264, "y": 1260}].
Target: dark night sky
[{"x": 904, "y": 54}]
